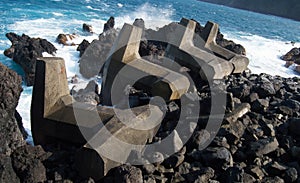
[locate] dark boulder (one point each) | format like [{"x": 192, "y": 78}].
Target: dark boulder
[
  {"x": 109, "y": 24},
  {"x": 230, "y": 45},
  {"x": 290, "y": 175},
  {"x": 27, "y": 162},
  {"x": 217, "y": 157},
  {"x": 233, "y": 174},
  {"x": 294, "y": 126},
  {"x": 25, "y": 50},
  {"x": 173, "y": 161},
  {"x": 128, "y": 174},
  {"x": 241, "y": 91},
  {"x": 7, "y": 173},
  {"x": 260, "y": 105},
  {"x": 293, "y": 55},
  {"x": 265, "y": 89},
  {"x": 82, "y": 47},
  {"x": 66, "y": 39},
  {"x": 263, "y": 146},
  {"x": 87, "y": 28},
  {"x": 10, "y": 90}
]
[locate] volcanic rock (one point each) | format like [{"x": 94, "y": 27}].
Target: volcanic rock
[
  {"x": 127, "y": 173},
  {"x": 82, "y": 47},
  {"x": 10, "y": 90},
  {"x": 293, "y": 55},
  {"x": 109, "y": 24},
  {"x": 25, "y": 50},
  {"x": 66, "y": 39},
  {"x": 87, "y": 28},
  {"x": 264, "y": 146},
  {"x": 217, "y": 157},
  {"x": 7, "y": 174},
  {"x": 27, "y": 162},
  {"x": 294, "y": 126}
]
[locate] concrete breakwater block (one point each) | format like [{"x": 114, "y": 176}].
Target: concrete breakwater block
[
  {"x": 106, "y": 135},
  {"x": 125, "y": 66},
  {"x": 56, "y": 117}
]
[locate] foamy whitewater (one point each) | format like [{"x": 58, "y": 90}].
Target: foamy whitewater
[{"x": 265, "y": 38}]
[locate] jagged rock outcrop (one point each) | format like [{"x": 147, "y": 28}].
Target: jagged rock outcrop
[
  {"x": 82, "y": 47},
  {"x": 109, "y": 24},
  {"x": 66, "y": 39},
  {"x": 10, "y": 90},
  {"x": 25, "y": 50},
  {"x": 292, "y": 57},
  {"x": 87, "y": 28},
  {"x": 10, "y": 136},
  {"x": 27, "y": 163}
]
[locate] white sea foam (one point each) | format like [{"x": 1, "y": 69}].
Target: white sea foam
[
  {"x": 91, "y": 8},
  {"x": 149, "y": 14},
  {"x": 24, "y": 110},
  {"x": 120, "y": 5},
  {"x": 264, "y": 54},
  {"x": 58, "y": 14}
]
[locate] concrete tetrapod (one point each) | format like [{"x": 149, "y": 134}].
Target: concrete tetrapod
[
  {"x": 200, "y": 58},
  {"x": 209, "y": 35},
  {"x": 126, "y": 67},
  {"x": 57, "y": 118}
]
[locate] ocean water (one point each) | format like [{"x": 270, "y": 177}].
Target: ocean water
[{"x": 265, "y": 37}]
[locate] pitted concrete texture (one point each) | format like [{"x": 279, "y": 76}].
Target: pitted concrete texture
[
  {"x": 56, "y": 117},
  {"x": 126, "y": 66},
  {"x": 201, "y": 58},
  {"x": 209, "y": 35}
]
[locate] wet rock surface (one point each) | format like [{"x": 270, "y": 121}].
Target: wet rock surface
[
  {"x": 10, "y": 90},
  {"x": 82, "y": 47},
  {"x": 87, "y": 28},
  {"x": 292, "y": 57},
  {"x": 25, "y": 50}
]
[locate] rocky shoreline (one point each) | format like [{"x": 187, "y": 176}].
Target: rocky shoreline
[{"x": 260, "y": 144}]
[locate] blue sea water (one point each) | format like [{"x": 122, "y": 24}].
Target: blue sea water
[{"x": 265, "y": 37}]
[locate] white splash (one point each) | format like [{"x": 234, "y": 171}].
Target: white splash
[
  {"x": 264, "y": 54},
  {"x": 149, "y": 14},
  {"x": 57, "y": 14}
]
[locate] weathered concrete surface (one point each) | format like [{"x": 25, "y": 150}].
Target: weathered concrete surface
[
  {"x": 200, "y": 58},
  {"x": 56, "y": 117},
  {"x": 209, "y": 35},
  {"x": 124, "y": 55},
  {"x": 117, "y": 140}
]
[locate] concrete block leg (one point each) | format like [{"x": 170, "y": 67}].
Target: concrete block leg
[
  {"x": 183, "y": 50},
  {"x": 209, "y": 34},
  {"x": 126, "y": 66}
]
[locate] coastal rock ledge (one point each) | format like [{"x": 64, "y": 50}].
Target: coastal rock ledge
[{"x": 25, "y": 50}]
